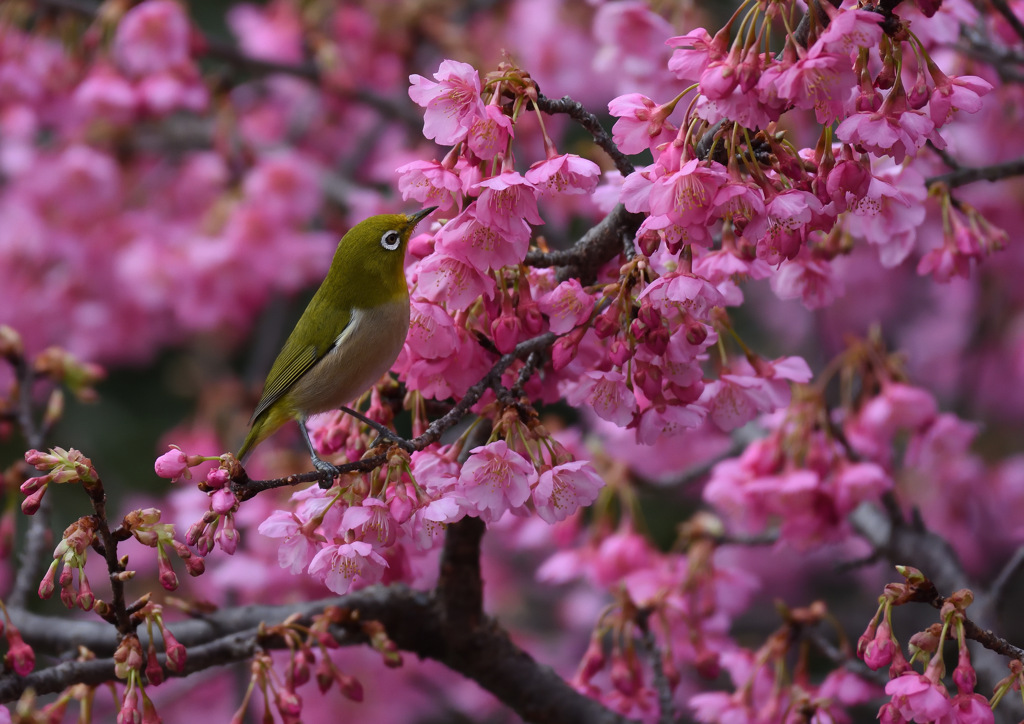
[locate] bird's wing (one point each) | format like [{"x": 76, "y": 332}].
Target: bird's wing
[{"x": 296, "y": 359}]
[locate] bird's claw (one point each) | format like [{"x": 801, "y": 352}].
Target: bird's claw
[{"x": 322, "y": 466}]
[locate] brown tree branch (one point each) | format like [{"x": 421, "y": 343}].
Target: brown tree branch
[
  {"x": 602, "y": 243},
  {"x": 414, "y": 620},
  {"x": 968, "y": 175}
]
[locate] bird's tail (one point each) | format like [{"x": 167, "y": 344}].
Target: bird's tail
[{"x": 262, "y": 427}]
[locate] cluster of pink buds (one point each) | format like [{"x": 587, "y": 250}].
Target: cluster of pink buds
[
  {"x": 61, "y": 466},
  {"x": 71, "y": 552},
  {"x": 175, "y": 652},
  {"x": 128, "y": 666},
  {"x": 924, "y": 697},
  {"x": 218, "y": 523},
  {"x": 146, "y": 528}
]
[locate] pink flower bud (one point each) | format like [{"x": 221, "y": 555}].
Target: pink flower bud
[
  {"x": 86, "y": 598},
  {"x": 648, "y": 241},
  {"x": 194, "y": 532},
  {"x": 648, "y": 379},
  {"x": 593, "y": 661},
  {"x": 172, "y": 465},
  {"x": 289, "y": 704},
  {"x": 625, "y": 678},
  {"x": 20, "y": 655},
  {"x": 195, "y": 566},
  {"x": 41, "y": 460},
  {"x": 167, "y": 577},
  {"x": 47, "y": 586},
  {"x": 565, "y": 349},
  {"x": 154, "y": 672},
  {"x": 175, "y": 652},
  {"x": 222, "y": 501},
  {"x": 350, "y": 687},
  {"x": 880, "y": 650},
  {"x": 708, "y": 665},
  {"x": 217, "y": 478},
  {"x": 964, "y": 676},
  {"x": 620, "y": 353},
  {"x": 506, "y": 331},
  {"x": 33, "y": 484},
  {"x": 607, "y": 323},
  {"x": 298, "y": 672}
]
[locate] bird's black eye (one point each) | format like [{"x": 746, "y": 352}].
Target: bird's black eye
[{"x": 390, "y": 240}]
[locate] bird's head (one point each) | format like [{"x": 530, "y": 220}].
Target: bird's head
[{"x": 372, "y": 254}]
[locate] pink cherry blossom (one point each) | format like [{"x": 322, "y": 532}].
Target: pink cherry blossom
[
  {"x": 918, "y": 698},
  {"x": 431, "y": 330},
  {"x": 822, "y": 81},
  {"x": 481, "y": 244},
  {"x": 813, "y": 281},
  {"x": 686, "y": 195},
  {"x": 444, "y": 278},
  {"x": 607, "y": 393},
  {"x": 566, "y": 306},
  {"x": 490, "y": 132},
  {"x": 565, "y": 174},
  {"x": 680, "y": 291},
  {"x": 641, "y": 123},
  {"x": 893, "y": 130},
  {"x": 341, "y": 567},
  {"x": 849, "y": 30},
  {"x": 561, "y": 490},
  {"x": 298, "y": 548},
  {"x": 890, "y": 213},
  {"x": 372, "y": 522},
  {"x": 452, "y": 103},
  {"x": 430, "y": 182},
  {"x": 662, "y": 421},
  {"x": 495, "y": 479},
  {"x": 857, "y": 482},
  {"x": 693, "y": 52},
  {"x": 152, "y": 38},
  {"x": 270, "y": 32},
  {"x": 507, "y": 200},
  {"x": 105, "y": 94},
  {"x": 286, "y": 186},
  {"x": 957, "y": 93}
]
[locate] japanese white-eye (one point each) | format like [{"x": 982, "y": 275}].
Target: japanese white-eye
[{"x": 348, "y": 337}]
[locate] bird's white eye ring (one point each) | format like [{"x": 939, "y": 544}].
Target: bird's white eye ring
[{"x": 390, "y": 240}]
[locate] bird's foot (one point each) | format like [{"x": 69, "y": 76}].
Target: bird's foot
[
  {"x": 322, "y": 466},
  {"x": 383, "y": 433}
]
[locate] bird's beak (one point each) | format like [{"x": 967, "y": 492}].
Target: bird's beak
[{"x": 419, "y": 216}]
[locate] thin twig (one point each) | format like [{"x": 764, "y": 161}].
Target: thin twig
[
  {"x": 575, "y": 110},
  {"x": 965, "y": 175},
  {"x": 1006, "y": 576},
  {"x": 38, "y": 537},
  {"x": 1003, "y": 8},
  {"x": 666, "y": 710}
]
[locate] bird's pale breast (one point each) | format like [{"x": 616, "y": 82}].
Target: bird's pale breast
[{"x": 362, "y": 354}]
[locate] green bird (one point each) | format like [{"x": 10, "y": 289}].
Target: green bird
[{"x": 350, "y": 334}]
